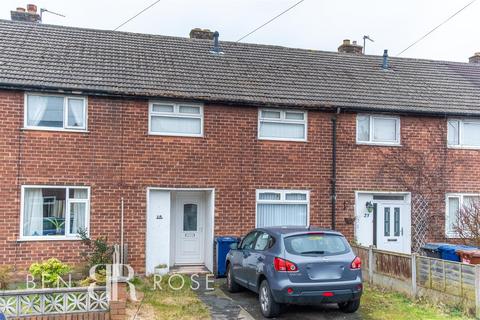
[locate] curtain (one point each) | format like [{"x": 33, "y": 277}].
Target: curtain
[
  {"x": 282, "y": 130},
  {"x": 363, "y": 128},
  {"x": 36, "y": 108},
  {"x": 471, "y": 133},
  {"x": 75, "y": 113},
  {"x": 384, "y": 129},
  {"x": 78, "y": 211},
  {"x": 33, "y": 212},
  {"x": 453, "y": 207},
  {"x": 176, "y": 125},
  {"x": 269, "y": 215}
]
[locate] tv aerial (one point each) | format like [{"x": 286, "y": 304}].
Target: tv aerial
[
  {"x": 364, "y": 42},
  {"x": 42, "y": 10}
]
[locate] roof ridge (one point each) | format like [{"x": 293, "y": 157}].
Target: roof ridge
[{"x": 234, "y": 43}]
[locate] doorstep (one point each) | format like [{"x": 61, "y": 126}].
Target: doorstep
[{"x": 190, "y": 269}]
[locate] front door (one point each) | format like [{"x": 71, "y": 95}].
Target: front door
[
  {"x": 393, "y": 231},
  {"x": 189, "y": 241}
]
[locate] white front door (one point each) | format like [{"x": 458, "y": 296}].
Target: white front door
[
  {"x": 190, "y": 217},
  {"x": 393, "y": 227}
]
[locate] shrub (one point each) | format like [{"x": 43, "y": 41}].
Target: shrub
[
  {"x": 98, "y": 252},
  {"x": 49, "y": 272},
  {"x": 5, "y": 275},
  {"x": 467, "y": 224},
  {"x": 100, "y": 279}
]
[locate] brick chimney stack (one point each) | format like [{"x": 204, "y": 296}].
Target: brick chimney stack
[
  {"x": 475, "y": 58},
  {"x": 29, "y": 15},
  {"x": 198, "y": 33},
  {"x": 348, "y": 47}
]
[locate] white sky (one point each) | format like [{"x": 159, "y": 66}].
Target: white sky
[{"x": 314, "y": 24}]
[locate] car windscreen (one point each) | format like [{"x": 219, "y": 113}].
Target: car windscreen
[{"x": 316, "y": 244}]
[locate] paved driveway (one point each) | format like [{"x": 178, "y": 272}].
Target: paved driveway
[{"x": 244, "y": 305}]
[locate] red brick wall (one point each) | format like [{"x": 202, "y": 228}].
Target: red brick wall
[
  {"x": 423, "y": 152},
  {"x": 117, "y": 158}
]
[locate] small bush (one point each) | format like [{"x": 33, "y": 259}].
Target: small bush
[
  {"x": 50, "y": 272},
  {"x": 98, "y": 252},
  {"x": 5, "y": 276},
  {"x": 100, "y": 279}
]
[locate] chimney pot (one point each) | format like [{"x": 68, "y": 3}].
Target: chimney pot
[
  {"x": 28, "y": 15},
  {"x": 199, "y": 33},
  {"x": 31, "y": 8},
  {"x": 475, "y": 58},
  {"x": 348, "y": 47}
]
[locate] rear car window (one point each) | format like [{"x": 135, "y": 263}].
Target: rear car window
[{"x": 316, "y": 244}]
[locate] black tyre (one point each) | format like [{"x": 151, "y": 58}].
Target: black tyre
[
  {"x": 268, "y": 306},
  {"x": 232, "y": 285},
  {"x": 350, "y": 306}
]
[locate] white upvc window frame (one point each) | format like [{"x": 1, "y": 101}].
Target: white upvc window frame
[
  {"x": 370, "y": 141},
  {"x": 175, "y": 114},
  {"x": 283, "y": 120},
  {"x": 461, "y": 123},
  {"x": 283, "y": 194},
  {"x": 448, "y": 232},
  {"x": 66, "y": 127},
  {"x": 68, "y": 201}
]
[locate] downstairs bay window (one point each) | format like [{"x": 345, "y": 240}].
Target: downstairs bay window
[
  {"x": 53, "y": 212},
  {"x": 282, "y": 208}
]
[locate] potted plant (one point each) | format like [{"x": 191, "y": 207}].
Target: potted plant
[
  {"x": 161, "y": 269},
  {"x": 58, "y": 224}
]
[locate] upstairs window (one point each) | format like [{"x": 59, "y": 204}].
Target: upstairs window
[
  {"x": 378, "y": 129},
  {"x": 282, "y": 125},
  {"x": 55, "y": 112},
  {"x": 464, "y": 133},
  {"x": 172, "y": 119},
  {"x": 282, "y": 208}
]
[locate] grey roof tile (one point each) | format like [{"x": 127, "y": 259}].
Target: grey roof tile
[{"x": 58, "y": 57}]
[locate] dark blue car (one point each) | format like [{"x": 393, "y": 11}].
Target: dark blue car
[{"x": 296, "y": 265}]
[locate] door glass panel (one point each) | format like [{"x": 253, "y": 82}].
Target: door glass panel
[
  {"x": 190, "y": 217},
  {"x": 386, "y": 222},
  {"x": 396, "y": 221}
]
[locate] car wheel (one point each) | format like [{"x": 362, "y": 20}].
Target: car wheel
[
  {"x": 269, "y": 307},
  {"x": 232, "y": 285},
  {"x": 350, "y": 306}
]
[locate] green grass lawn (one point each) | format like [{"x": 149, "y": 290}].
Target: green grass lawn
[
  {"x": 167, "y": 303},
  {"x": 381, "y": 304}
]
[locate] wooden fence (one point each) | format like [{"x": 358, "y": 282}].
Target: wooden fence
[{"x": 422, "y": 276}]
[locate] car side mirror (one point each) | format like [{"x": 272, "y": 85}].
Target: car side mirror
[{"x": 234, "y": 246}]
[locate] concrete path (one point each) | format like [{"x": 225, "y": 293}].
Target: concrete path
[{"x": 244, "y": 305}]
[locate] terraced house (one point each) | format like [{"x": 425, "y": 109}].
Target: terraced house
[{"x": 189, "y": 139}]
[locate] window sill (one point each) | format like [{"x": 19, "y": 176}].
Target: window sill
[
  {"x": 50, "y": 238},
  {"x": 282, "y": 140},
  {"x": 379, "y": 144},
  {"x": 55, "y": 130},
  {"x": 180, "y": 135},
  {"x": 464, "y": 147}
]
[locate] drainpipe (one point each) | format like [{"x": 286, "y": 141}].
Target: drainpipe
[{"x": 334, "y": 169}]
